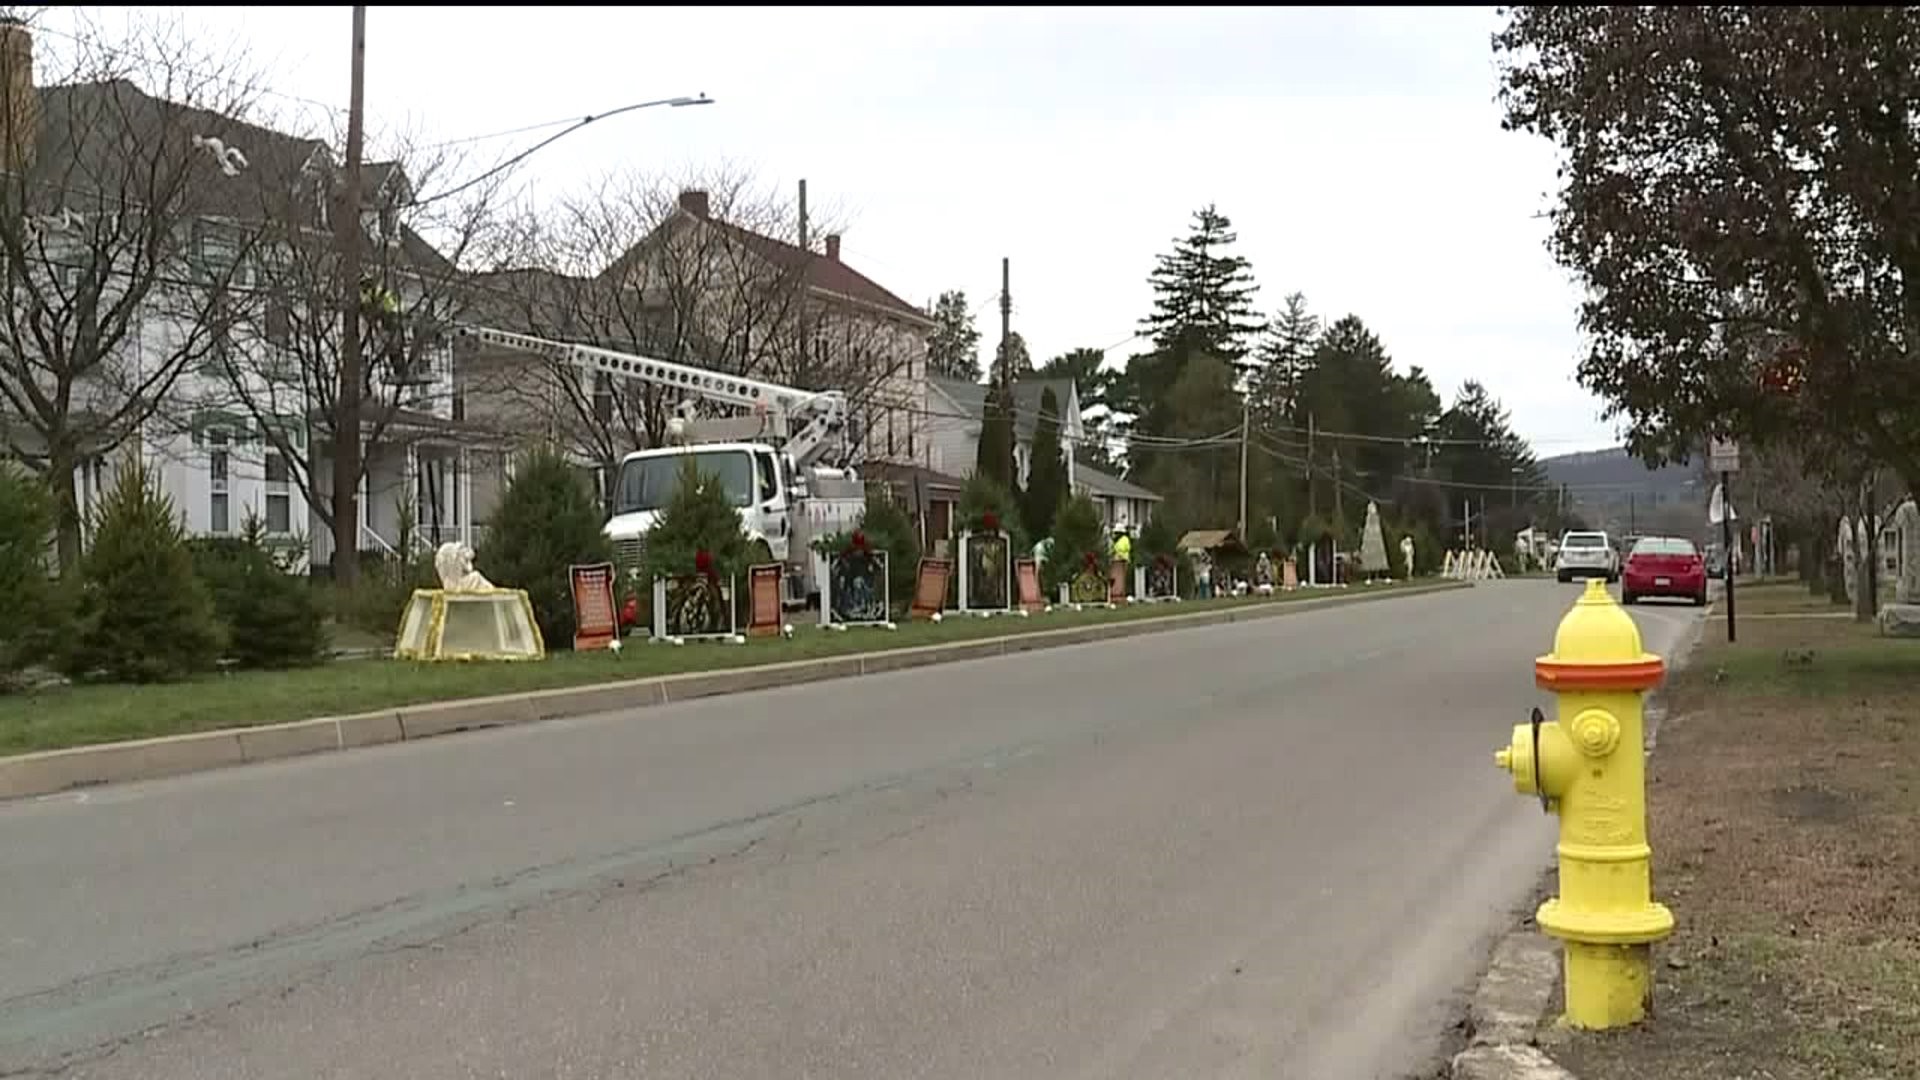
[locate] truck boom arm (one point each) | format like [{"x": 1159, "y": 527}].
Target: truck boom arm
[{"x": 819, "y": 415}]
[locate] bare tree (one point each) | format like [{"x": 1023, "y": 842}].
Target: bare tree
[
  {"x": 109, "y": 170},
  {"x": 704, "y": 269},
  {"x": 283, "y": 373}
]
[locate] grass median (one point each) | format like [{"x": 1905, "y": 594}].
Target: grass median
[
  {"x": 59, "y": 717},
  {"x": 1784, "y": 798}
]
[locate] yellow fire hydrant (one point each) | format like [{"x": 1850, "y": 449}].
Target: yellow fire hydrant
[{"x": 1589, "y": 766}]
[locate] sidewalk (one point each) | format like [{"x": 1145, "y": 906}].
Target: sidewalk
[{"x": 1784, "y": 798}]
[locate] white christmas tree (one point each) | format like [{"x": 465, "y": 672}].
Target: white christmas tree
[{"x": 1373, "y": 546}]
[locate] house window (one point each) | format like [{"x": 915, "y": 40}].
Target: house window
[
  {"x": 218, "y": 468},
  {"x": 890, "y": 445},
  {"x": 279, "y": 321},
  {"x": 279, "y": 497}
]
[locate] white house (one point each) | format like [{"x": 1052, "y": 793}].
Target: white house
[
  {"x": 1124, "y": 505},
  {"x": 698, "y": 289},
  {"x": 955, "y": 411},
  {"x": 230, "y": 346}
]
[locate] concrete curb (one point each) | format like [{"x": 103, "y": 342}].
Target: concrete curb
[
  {"x": 1511, "y": 1000},
  {"x": 53, "y": 771}
]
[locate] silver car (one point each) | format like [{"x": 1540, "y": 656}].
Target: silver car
[{"x": 1587, "y": 554}]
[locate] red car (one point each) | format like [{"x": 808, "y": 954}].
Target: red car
[{"x": 1664, "y": 566}]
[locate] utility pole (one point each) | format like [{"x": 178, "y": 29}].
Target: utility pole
[
  {"x": 346, "y": 422},
  {"x": 803, "y": 215},
  {"x": 1006, "y": 321},
  {"x": 1008, "y": 405},
  {"x": 1338, "y": 516},
  {"x": 1246, "y": 416},
  {"x": 1313, "y": 509}
]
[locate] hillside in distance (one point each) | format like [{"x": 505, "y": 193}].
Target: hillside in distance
[{"x": 1615, "y": 491}]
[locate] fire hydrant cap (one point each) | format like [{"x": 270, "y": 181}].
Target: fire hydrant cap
[{"x": 1598, "y": 648}]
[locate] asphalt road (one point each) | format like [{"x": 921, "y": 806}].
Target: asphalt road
[{"x": 1273, "y": 849}]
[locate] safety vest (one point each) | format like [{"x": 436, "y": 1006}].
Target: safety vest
[
  {"x": 1123, "y": 548},
  {"x": 375, "y": 299}
]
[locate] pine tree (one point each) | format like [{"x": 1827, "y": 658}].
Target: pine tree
[
  {"x": 889, "y": 529},
  {"x": 31, "y": 616},
  {"x": 1047, "y": 480},
  {"x": 1203, "y": 293},
  {"x": 698, "y": 518},
  {"x": 993, "y": 455},
  {"x": 1282, "y": 360},
  {"x": 547, "y": 520},
  {"x": 272, "y": 617},
  {"x": 953, "y": 348},
  {"x": 144, "y": 616},
  {"x": 1015, "y": 347},
  {"x": 1077, "y": 534}
]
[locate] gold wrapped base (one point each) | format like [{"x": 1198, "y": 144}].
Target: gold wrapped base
[{"x": 481, "y": 624}]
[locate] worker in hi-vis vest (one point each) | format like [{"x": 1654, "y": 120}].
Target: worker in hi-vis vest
[{"x": 1122, "y": 546}]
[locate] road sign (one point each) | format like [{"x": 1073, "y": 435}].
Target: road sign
[{"x": 1723, "y": 456}]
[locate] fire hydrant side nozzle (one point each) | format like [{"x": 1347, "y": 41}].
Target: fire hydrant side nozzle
[{"x": 1588, "y": 765}]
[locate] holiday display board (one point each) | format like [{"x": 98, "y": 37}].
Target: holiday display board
[
  {"x": 1026, "y": 574},
  {"x": 930, "y": 588},
  {"x": 763, "y": 600},
  {"x": 986, "y": 573},
  {"x": 596, "y": 625},
  {"x": 856, "y": 588}
]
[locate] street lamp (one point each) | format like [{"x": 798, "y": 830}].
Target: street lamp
[{"x": 681, "y": 102}]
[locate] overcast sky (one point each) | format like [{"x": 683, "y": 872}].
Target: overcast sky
[{"x": 1357, "y": 151}]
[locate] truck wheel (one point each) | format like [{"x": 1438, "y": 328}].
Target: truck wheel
[{"x": 758, "y": 553}]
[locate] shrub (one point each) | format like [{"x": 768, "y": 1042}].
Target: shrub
[
  {"x": 143, "y": 615},
  {"x": 1077, "y": 533},
  {"x": 1160, "y": 539},
  {"x": 889, "y": 528},
  {"x": 885, "y": 526},
  {"x": 547, "y": 520},
  {"x": 985, "y": 506},
  {"x": 272, "y": 618},
  {"x": 32, "y": 615}
]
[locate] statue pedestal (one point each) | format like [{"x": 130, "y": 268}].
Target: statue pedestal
[
  {"x": 478, "y": 624},
  {"x": 1900, "y": 620}
]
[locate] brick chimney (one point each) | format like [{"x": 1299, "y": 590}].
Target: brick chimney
[
  {"x": 695, "y": 203},
  {"x": 19, "y": 100},
  {"x": 833, "y": 247}
]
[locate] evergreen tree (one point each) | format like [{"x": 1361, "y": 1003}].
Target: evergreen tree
[
  {"x": 953, "y": 347},
  {"x": 272, "y": 617},
  {"x": 1015, "y": 347},
  {"x": 1047, "y": 479},
  {"x": 1091, "y": 384},
  {"x": 993, "y": 455},
  {"x": 1203, "y": 306},
  {"x": 547, "y": 520},
  {"x": 144, "y": 616},
  {"x": 1203, "y": 293},
  {"x": 1077, "y": 534},
  {"x": 1283, "y": 358},
  {"x": 889, "y": 529},
  {"x": 698, "y": 518},
  {"x": 1480, "y": 452},
  {"x": 1201, "y": 484},
  {"x": 1083, "y": 368},
  {"x": 31, "y": 616}
]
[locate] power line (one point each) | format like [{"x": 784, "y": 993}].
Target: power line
[{"x": 229, "y": 80}]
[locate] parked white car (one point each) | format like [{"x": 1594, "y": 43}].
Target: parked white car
[{"x": 1587, "y": 554}]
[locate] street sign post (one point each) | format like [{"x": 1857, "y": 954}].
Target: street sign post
[{"x": 1723, "y": 457}]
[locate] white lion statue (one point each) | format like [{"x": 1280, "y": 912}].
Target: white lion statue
[{"x": 454, "y": 561}]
